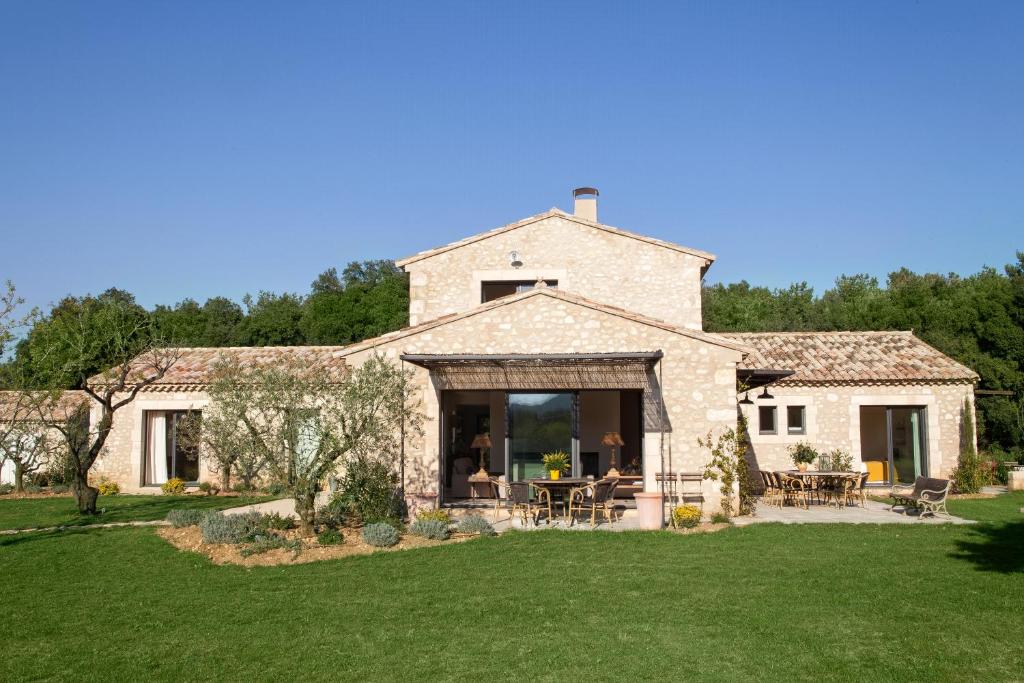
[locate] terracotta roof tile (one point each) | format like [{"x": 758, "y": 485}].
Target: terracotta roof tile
[{"x": 850, "y": 357}]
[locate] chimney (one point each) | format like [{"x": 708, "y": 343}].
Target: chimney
[{"x": 586, "y": 203}]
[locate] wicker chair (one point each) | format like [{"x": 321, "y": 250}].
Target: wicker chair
[
  {"x": 794, "y": 489},
  {"x": 780, "y": 489},
  {"x": 858, "y": 492},
  {"x": 593, "y": 497},
  {"x": 770, "y": 490},
  {"x": 525, "y": 499}
]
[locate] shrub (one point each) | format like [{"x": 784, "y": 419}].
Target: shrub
[
  {"x": 220, "y": 528},
  {"x": 475, "y": 524},
  {"x": 971, "y": 471},
  {"x": 330, "y": 537},
  {"x": 35, "y": 488},
  {"x": 208, "y": 488},
  {"x": 686, "y": 516},
  {"x": 243, "y": 488},
  {"x": 368, "y": 493},
  {"x": 840, "y": 459},
  {"x": 179, "y": 518},
  {"x": 802, "y": 453},
  {"x": 5, "y": 489},
  {"x": 719, "y": 518},
  {"x": 437, "y": 514},
  {"x": 275, "y": 521},
  {"x": 173, "y": 487},
  {"x": 433, "y": 529},
  {"x": 108, "y": 488},
  {"x": 59, "y": 488},
  {"x": 262, "y": 543},
  {"x": 275, "y": 488},
  {"x": 380, "y": 534}
]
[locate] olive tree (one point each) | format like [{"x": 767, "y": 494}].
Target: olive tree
[
  {"x": 304, "y": 418},
  {"x": 27, "y": 439},
  {"x": 62, "y": 352}
]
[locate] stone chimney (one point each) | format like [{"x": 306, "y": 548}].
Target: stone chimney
[{"x": 585, "y": 203}]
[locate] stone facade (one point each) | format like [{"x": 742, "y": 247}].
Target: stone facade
[
  {"x": 586, "y": 259},
  {"x": 833, "y": 420}
]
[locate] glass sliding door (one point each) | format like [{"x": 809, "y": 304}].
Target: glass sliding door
[
  {"x": 538, "y": 424},
  {"x": 168, "y": 454},
  {"x": 906, "y": 439}
]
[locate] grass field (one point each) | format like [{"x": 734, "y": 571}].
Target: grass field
[
  {"x": 814, "y": 602},
  {"x": 36, "y": 513}
]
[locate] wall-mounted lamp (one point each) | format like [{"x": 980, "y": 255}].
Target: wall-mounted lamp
[
  {"x": 514, "y": 260},
  {"x": 746, "y": 399},
  {"x": 765, "y": 394}
]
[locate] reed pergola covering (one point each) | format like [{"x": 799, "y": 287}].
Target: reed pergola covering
[{"x": 552, "y": 371}]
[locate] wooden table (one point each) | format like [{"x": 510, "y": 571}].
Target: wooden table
[
  {"x": 560, "y": 486},
  {"x": 812, "y": 474}
]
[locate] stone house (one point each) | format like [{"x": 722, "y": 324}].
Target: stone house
[{"x": 552, "y": 332}]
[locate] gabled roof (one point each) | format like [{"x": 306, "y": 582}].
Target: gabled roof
[
  {"x": 851, "y": 358},
  {"x": 561, "y": 294},
  {"x": 554, "y": 212},
  {"x": 40, "y": 406},
  {"x": 195, "y": 366}
]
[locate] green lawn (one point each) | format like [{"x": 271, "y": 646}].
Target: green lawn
[
  {"x": 814, "y": 602},
  {"x": 33, "y": 513}
]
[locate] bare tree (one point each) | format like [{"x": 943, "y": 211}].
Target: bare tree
[{"x": 302, "y": 419}]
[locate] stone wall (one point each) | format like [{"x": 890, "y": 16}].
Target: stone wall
[
  {"x": 613, "y": 269},
  {"x": 833, "y": 420},
  {"x": 696, "y": 378}
]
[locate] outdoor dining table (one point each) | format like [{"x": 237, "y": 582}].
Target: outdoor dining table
[
  {"x": 559, "y": 488},
  {"x": 816, "y": 474}
]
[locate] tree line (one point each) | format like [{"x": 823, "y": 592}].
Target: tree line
[
  {"x": 977, "y": 320},
  {"x": 367, "y": 299}
]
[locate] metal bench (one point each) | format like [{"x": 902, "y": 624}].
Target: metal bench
[{"x": 927, "y": 495}]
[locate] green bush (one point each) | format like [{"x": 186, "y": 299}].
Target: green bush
[
  {"x": 719, "y": 518},
  {"x": 275, "y": 488},
  {"x": 59, "y": 488},
  {"x": 6, "y": 488},
  {"x": 972, "y": 472},
  {"x": 34, "y": 488},
  {"x": 208, "y": 488},
  {"x": 436, "y": 514},
  {"x": 380, "y": 534},
  {"x": 841, "y": 460},
  {"x": 180, "y": 518},
  {"x": 243, "y": 488},
  {"x": 686, "y": 516},
  {"x": 367, "y": 493},
  {"x": 475, "y": 524},
  {"x": 433, "y": 529},
  {"x": 262, "y": 543},
  {"x": 330, "y": 537},
  {"x": 275, "y": 521},
  {"x": 173, "y": 487},
  {"x": 220, "y": 528}
]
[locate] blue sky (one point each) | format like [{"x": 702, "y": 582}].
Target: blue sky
[{"x": 189, "y": 149}]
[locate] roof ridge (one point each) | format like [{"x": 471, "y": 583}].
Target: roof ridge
[
  {"x": 553, "y": 211},
  {"x": 817, "y": 332}
]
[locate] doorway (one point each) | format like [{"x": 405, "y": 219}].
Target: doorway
[{"x": 893, "y": 443}]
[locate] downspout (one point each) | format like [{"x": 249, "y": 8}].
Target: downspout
[{"x": 661, "y": 440}]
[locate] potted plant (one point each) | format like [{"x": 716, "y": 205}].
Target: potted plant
[
  {"x": 555, "y": 463},
  {"x": 803, "y": 455}
]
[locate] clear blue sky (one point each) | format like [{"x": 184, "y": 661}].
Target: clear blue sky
[{"x": 189, "y": 149}]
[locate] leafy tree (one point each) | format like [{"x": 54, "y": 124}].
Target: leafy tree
[
  {"x": 370, "y": 299},
  {"x": 104, "y": 346},
  {"x": 26, "y": 437},
  {"x": 272, "y": 320},
  {"x": 305, "y": 418}
]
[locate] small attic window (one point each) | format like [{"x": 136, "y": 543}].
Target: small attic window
[{"x": 495, "y": 289}]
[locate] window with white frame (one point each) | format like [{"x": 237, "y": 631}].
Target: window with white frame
[
  {"x": 767, "y": 422},
  {"x": 796, "y": 420}
]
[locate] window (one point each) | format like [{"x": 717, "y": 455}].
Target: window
[
  {"x": 796, "y": 420},
  {"x": 169, "y": 452},
  {"x": 489, "y": 291},
  {"x": 766, "y": 419}
]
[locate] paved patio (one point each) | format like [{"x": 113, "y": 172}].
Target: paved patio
[{"x": 873, "y": 512}]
